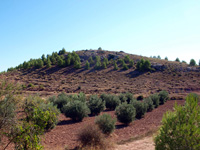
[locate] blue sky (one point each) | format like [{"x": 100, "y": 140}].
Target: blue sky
[{"x": 29, "y": 29}]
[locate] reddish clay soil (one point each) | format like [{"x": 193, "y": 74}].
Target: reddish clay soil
[{"x": 65, "y": 133}]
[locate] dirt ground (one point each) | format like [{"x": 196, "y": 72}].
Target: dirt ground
[
  {"x": 143, "y": 144},
  {"x": 65, "y": 133}
]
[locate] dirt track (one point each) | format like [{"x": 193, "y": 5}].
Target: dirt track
[{"x": 142, "y": 144}]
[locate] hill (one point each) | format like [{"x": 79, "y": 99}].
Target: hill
[{"x": 175, "y": 77}]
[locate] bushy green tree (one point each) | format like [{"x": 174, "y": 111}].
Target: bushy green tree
[
  {"x": 131, "y": 63},
  {"x": 112, "y": 101},
  {"x": 125, "y": 113},
  {"x": 91, "y": 60},
  {"x": 61, "y": 100},
  {"x": 96, "y": 105},
  {"x": 166, "y": 58},
  {"x": 127, "y": 59},
  {"x": 104, "y": 66},
  {"x": 42, "y": 114},
  {"x": 125, "y": 67},
  {"x": 177, "y": 59},
  {"x": 156, "y": 100},
  {"x": 106, "y": 123},
  {"x": 140, "y": 107},
  {"x": 26, "y": 65},
  {"x": 44, "y": 59},
  {"x": 76, "y": 110},
  {"x": 149, "y": 104},
  {"x": 181, "y": 128},
  {"x": 62, "y": 52},
  {"x": 106, "y": 60},
  {"x": 115, "y": 66},
  {"x": 164, "y": 96},
  {"x": 129, "y": 97},
  {"x": 39, "y": 63},
  {"x": 123, "y": 98},
  {"x": 48, "y": 63},
  {"x": 192, "y": 62},
  {"x": 143, "y": 65},
  {"x": 87, "y": 65},
  {"x": 77, "y": 64},
  {"x": 98, "y": 64},
  {"x": 61, "y": 62}
]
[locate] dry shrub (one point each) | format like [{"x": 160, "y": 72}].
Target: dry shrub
[{"x": 91, "y": 138}]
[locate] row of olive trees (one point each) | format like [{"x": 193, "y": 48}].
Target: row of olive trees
[{"x": 24, "y": 132}]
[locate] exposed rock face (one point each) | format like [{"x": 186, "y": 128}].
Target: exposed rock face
[{"x": 158, "y": 66}]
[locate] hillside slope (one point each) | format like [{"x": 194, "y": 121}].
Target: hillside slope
[{"x": 177, "y": 78}]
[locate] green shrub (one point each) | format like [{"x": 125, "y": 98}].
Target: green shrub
[
  {"x": 61, "y": 100},
  {"x": 127, "y": 59},
  {"x": 98, "y": 65},
  {"x": 91, "y": 60},
  {"x": 112, "y": 101},
  {"x": 125, "y": 67},
  {"x": 140, "y": 108},
  {"x": 196, "y": 96},
  {"x": 156, "y": 100},
  {"x": 87, "y": 65},
  {"x": 131, "y": 63},
  {"x": 129, "y": 97},
  {"x": 62, "y": 52},
  {"x": 103, "y": 96},
  {"x": 177, "y": 59},
  {"x": 149, "y": 104},
  {"x": 61, "y": 62},
  {"x": 104, "y": 66},
  {"x": 77, "y": 64},
  {"x": 25, "y": 136},
  {"x": 164, "y": 96},
  {"x": 181, "y": 128},
  {"x": 48, "y": 64},
  {"x": 122, "y": 97},
  {"x": 106, "y": 123},
  {"x": 39, "y": 63},
  {"x": 125, "y": 113},
  {"x": 43, "y": 115},
  {"x": 115, "y": 66},
  {"x": 76, "y": 110},
  {"x": 143, "y": 65},
  {"x": 192, "y": 62},
  {"x": 96, "y": 105}
]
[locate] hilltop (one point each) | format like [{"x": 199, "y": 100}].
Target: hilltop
[{"x": 175, "y": 77}]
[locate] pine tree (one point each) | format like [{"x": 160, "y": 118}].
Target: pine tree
[
  {"x": 115, "y": 66},
  {"x": 87, "y": 65}
]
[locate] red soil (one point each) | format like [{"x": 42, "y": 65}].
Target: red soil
[{"x": 65, "y": 133}]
